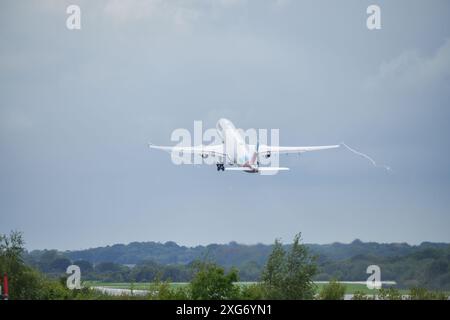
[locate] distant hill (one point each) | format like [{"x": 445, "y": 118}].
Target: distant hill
[
  {"x": 235, "y": 254},
  {"x": 340, "y": 251}
]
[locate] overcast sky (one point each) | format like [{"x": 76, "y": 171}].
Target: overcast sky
[{"x": 77, "y": 109}]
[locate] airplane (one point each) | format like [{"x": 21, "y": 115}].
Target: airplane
[{"x": 234, "y": 152}]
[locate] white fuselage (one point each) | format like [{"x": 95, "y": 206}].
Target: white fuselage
[{"x": 237, "y": 151}]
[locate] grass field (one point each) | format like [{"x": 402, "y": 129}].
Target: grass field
[{"x": 350, "y": 287}]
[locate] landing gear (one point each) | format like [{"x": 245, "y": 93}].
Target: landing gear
[{"x": 220, "y": 166}]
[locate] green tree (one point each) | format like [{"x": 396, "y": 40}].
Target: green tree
[
  {"x": 301, "y": 268},
  {"x": 25, "y": 282},
  {"x": 85, "y": 266},
  {"x": 20, "y": 278},
  {"x": 46, "y": 259},
  {"x": 290, "y": 275},
  {"x": 274, "y": 272},
  {"x": 108, "y": 267},
  {"x": 333, "y": 290},
  {"x": 60, "y": 264},
  {"x": 210, "y": 282}
]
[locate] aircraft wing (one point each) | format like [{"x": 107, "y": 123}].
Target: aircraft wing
[
  {"x": 267, "y": 150},
  {"x": 213, "y": 150}
]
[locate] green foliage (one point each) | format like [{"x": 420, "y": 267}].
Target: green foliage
[
  {"x": 289, "y": 275},
  {"x": 60, "y": 264},
  {"x": 334, "y": 290},
  {"x": 234, "y": 254},
  {"x": 212, "y": 283},
  {"x": 107, "y": 267},
  {"x": 85, "y": 266},
  {"x": 301, "y": 268},
  {"x": 148, "y": 270},
  {"x": 424, "y": 294},
  {"x": 274, "y": 272},
  {"x": 22, "y": 280},
  {"x": 25, "y": 282},
  {"x": 11, "y": 247},
  {"x": 389, "y": 294},
  {"x": 426, "y": 265},
  {"x": 164, "y": 291},
  {"x": 252, "y": 292}
]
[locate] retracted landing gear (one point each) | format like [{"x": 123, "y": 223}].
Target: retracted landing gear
[{"x": 220, "y": 166}]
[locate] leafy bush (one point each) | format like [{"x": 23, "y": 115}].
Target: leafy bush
[
  {"x": 334, "y": 290},
  {"x": 211, "y": 283},
  {"x": 252, "y": 292},
  {"x": 389, "y": 294}
]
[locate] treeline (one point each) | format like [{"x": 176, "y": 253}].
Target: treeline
[
  {"x": 235, "y": 254},
  {"x": 426, "y": 265},
  {"x": 428, "y": 268},
  {"x": 54, "y": 264},
  {"x": 288, "y": 273}
]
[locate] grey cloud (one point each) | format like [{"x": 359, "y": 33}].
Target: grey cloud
[{"x": 412, "y": 71}]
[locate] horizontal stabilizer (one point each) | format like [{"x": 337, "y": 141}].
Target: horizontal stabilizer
[
  {"x": 267, "y": 169},
  {"x": 260, "y": 169}
]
